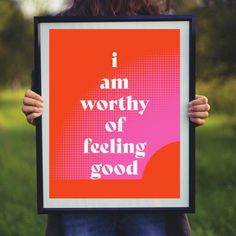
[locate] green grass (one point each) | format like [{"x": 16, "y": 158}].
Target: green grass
[
  {"x": 215, "y": 178},
  {"x": 18, "y": 213},
  {"x": 215, "y": 172}
]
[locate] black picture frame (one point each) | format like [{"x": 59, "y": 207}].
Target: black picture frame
[{"x": 38, "y": 22}]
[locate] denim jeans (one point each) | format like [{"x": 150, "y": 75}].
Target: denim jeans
[{"x": 113, "y": 224}]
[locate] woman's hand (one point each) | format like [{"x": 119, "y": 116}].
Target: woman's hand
[
  {"x": 32, "y": 106},
  {"x": 198, "y": 110}
]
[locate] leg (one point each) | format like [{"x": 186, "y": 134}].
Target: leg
[
  {"x": 141, "y": 224},
  {"x": 88, "y": 224}
]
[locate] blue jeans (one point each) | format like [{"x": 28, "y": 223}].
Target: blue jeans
[{"x": 113, "y": 224}]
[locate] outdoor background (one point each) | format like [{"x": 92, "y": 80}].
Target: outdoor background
[{"x": 216, "y": 141}]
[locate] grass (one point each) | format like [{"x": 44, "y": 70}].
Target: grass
[
  {"x": 215, "y": 173},
  {"x": 18, "y": 215}
]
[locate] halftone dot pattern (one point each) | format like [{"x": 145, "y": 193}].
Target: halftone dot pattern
[
  {"x": 154, "y": 77},
  {"x": 158, "y": 70}
]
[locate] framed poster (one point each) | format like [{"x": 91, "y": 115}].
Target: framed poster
[{"x": 115, "y": 132}]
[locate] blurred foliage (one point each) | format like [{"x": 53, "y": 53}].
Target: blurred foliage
[
  {"x": 215, "y": 45},
  {"x": 16, "y": 45},
  {"x": 221, "y": 94},
  {"x": 190, "y": 4},
  {"x": 216, "y": 36},
  {"x": 216, "y": 54}
]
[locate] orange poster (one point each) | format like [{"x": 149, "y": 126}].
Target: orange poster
[{"x": 114, "y": 131}]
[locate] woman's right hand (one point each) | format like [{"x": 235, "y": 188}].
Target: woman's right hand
[{"x": 32, "y": 106}]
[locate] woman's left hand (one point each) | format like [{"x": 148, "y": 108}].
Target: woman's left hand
[{"x": 198, "y": 110}]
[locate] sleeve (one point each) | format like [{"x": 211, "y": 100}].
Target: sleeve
[
  {"x": 53, "y": 227},
  {"x": 177, "y": 225}
]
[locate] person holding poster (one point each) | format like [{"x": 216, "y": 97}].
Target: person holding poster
[{"x": 116, "y": 223}]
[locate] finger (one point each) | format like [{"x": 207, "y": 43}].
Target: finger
[
  {"x": 32, "y": 102},
  {"x": 31, "y": 109},
  {"x": 202, "y": 115},
  {"x": 32, "y": 122},
  {"x": 31, "y": 94},
  {"x": 197, "y": 121},
  {"x": 32, "y": 116},
  {"x": 201, "y": 108},
  {"x": 199, "y": 101},
  {"x": 200, "y": 96}
]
